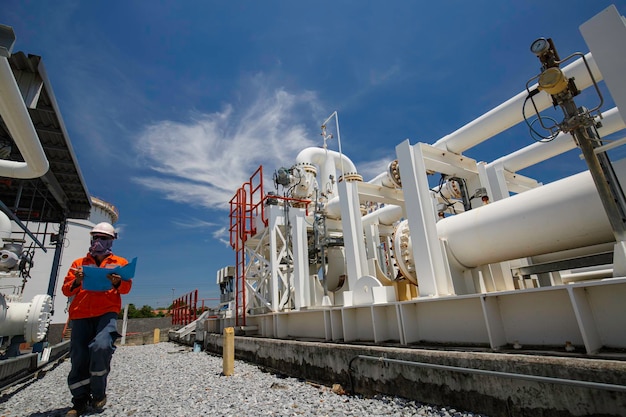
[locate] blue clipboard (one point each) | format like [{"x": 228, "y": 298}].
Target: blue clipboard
[{"x": 96, "y": 278}]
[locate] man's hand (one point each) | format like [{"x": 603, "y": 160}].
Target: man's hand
[
  {"x": 78, "y": 277},
  {"x": 115, "y": 279}
]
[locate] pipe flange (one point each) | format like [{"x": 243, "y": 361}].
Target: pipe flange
[
  {"x": 38, "y": 318},
  {"x": 403, "y": 250},
  {"x": 394, "y": 173},
  {"x": 307, "y": 167},
  {"x": 351, "y": 177}
]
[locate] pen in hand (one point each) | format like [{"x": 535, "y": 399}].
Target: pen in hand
[{"x": 78, "y": 274}]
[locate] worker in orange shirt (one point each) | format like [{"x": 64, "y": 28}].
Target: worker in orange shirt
[{"x": 93, "y": 316}]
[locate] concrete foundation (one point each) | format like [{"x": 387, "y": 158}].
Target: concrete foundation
[{"x": 404, "y": 372}]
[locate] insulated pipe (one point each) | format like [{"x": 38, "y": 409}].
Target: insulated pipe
[
  {"x": 509, "y": 113},
  {"x": 16, "y": 117},
  {"x": 542, "y": 151},
  {"x": 562, "y": 215}
]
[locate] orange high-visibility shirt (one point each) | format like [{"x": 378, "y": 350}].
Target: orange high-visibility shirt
[{"x": 94, "y": 303}]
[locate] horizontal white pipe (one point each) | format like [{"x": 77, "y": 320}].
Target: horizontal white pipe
[
  {"x": 509, "y": 113},
  {"x": 574, "y": 253},
  {"x": 562, "y": 215},
  {"x": 542, "y": 151},
  {"x": 382, "y": 179},
  {"x": 16, "y": 117},
  {"x": 15, "y": 319},
  {"x": 386, "y": 215},
  {"x": 572, "y": 276},
  {"x": 333, "y": 208}
]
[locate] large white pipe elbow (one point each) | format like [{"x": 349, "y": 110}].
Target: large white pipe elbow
[
  {"x": 562, "y": 215},
  {"x": 509, "y": 113},
  {"x": 317, "y": 156},
  {"x": 329, "y": 162},
  {"x": 19, "y": 124}
]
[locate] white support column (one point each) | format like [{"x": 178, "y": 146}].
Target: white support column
[
  {"x": 275, "y": 220},
  {"x": 430, "y": 260},
  {"x": 352, "y": 225},
  {"x": 300, "y": 253},
  {"x": 493, "y": 179},
  {"x": 372, "y": 242}
]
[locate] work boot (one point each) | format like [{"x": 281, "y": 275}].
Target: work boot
[
  {"x": 98, "y": 404},
  {"x": 79, "y": 408}
]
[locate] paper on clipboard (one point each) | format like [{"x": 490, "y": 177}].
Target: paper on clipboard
[{"x": 96, "y": 278}]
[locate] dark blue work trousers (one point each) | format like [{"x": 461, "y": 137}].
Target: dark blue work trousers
[{"x": 91, "y": 350}]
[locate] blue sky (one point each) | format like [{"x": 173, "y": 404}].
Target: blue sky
[{"x": 172, "y": 105}]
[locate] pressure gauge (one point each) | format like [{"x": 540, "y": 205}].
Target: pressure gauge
[{"x": 540, "y": 46}]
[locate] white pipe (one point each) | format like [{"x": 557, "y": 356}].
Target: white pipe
[
  {"x": 386, "y": 215},
  {"x": 329, "y": 162},
  {"x": 574, "y": 253},
  {"x": 333, "y": 208},
  {"x": 575, "y": 276},
  {"x": 383, "y": 180},
  {"x": 562, "y": 215},
  {"x": 16, "y": 117},
  {"x": 15, "y": 319},
  {"x": 317, "y": 156},
  {"x": 509, "y": 113},
  {"x": 542, "y": 151}
]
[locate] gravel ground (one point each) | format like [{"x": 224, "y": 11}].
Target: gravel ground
[{"x": 171, "y": 380}]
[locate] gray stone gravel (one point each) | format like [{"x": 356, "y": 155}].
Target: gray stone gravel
[{"x": 171, "y": 380}]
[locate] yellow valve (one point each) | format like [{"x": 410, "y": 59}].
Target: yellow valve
[{"x": 553, "y": 81}]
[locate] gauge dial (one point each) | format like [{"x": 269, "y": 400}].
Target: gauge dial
[{"x": 539, "y": 46}]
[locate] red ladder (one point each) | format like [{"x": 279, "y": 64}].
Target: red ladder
[{"x": 245, "y": 206}]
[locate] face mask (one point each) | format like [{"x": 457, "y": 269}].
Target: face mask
[{"x": 100, "y": 247}]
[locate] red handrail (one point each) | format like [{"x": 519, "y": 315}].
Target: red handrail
[{"x": 184, "y": 309}]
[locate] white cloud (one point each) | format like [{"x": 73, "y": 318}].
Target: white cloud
[
  {"x": 222, "y": 234},
  {"x": 193, "y": 223},
  {"x": 204, "y": 160}
]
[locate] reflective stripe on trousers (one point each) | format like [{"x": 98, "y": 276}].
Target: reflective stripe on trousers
[{"x": 91, "y": 349}]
